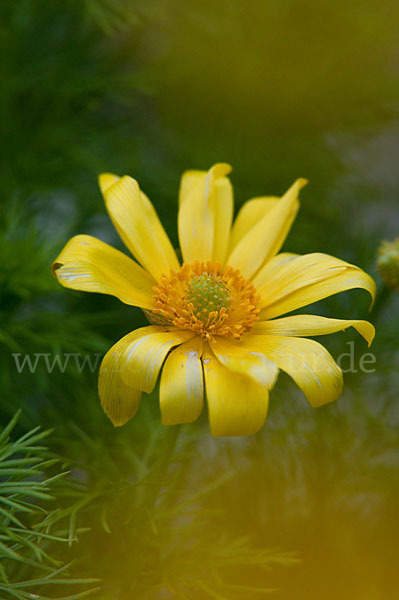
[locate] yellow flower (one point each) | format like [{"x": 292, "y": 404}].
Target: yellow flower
[{"x": 214, "y": 327}]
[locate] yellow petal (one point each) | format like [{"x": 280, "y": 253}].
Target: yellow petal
[
  {"x": 280, "y": 279},
  {"x": 205, "y": 214},
  {"x": 237, "y": 356},
  {"x": 147, "y": 349},
  {"x": 222, "y": 202},
  {"x": 138, "y": 225},
  {"x": 308, "y": 363},
  {"x": 249, "y": 215},
  {"x": 119, "y": 401},
  {"x": 237, "y": 404},
  {"x": 271, "y": 268},
  {"x": 189, "y": 181},
  {"x": 309, "y": 325},
  {"x": 305, "y": 280},
  {"x": 105, "y": 180},
  {"x": 181, "y": 393},
  {"x": 89, "y": 265},
  {"x": 265, "y": 238}
]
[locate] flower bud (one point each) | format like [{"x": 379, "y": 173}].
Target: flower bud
[{"x": 388, "y": 263}]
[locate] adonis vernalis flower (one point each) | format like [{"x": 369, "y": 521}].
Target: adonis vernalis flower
[{"x": 216, "y": 328}]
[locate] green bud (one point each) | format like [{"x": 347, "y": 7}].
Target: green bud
[
  {"x": 207, "y": 293},
  {"x": 388, "y": 263}
]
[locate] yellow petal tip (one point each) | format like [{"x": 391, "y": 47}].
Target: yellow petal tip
[
  {"x": 373, "y": 293},
  {"x": 105, "y": 180},
  {"x": 301, "y": 182},
  {"x": 221, "y": 170},
  {"x": 372, "y": 335},
  {"x": 118, "y": 424}
]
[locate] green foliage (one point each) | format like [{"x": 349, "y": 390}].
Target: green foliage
[
  {"x": 143, "y": 509},
  {"x": 30, "y": 531},
  {"x": 32, "y": 312},
  {"x": 112, "y": 15}
]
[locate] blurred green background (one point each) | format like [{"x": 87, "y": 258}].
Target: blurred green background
[{"x": 279, "y": 89}]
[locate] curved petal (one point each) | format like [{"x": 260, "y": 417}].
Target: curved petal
[
  {"x": 119, "y": 401},
  {"x": 308, "y": 363},
  {"x": 237, "y": 404},
  {"x": 249, "y": 215},
  {"x": 265, "y": 238},
  {"x": 240, "y": 358},
  {"x": 181, "y": 393},
  {"x": 305, "y": 280},
  {"x": 205, "y": 214},
  {"x": 271, "y": 268},
  {"x": 89, "y": 265},
  {"x": 145, "y": 353},
  {"x": 138, "y": 224},
  {"x": 276, "y": 280},
  {"x": 309, "y": 325}
]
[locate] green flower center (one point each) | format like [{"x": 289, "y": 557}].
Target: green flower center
[
  {"x": 208, "y": 293},
  {"x": 206, "y": 299}
]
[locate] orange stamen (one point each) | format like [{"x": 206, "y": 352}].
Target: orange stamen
[{"x": 207, "y": 299}]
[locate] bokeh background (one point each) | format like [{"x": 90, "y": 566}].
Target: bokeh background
[{"x": 307, "y": 508}]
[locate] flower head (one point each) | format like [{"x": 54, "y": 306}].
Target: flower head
[{"x": 216, "y": 327}]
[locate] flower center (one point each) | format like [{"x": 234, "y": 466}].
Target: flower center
[
  {"x": 207, "y": 293},
  {"x": 207, "y": 299}
]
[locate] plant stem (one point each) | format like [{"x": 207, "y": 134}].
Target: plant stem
[{"x": 381, "y": 300}]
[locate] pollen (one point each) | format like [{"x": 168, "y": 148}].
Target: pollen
[{"x": 207, "y": 299}]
